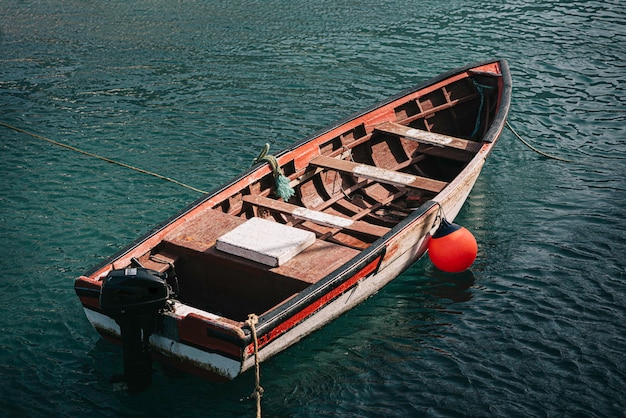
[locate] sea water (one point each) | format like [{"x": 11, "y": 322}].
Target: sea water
[{"x": 192, "y": 90}]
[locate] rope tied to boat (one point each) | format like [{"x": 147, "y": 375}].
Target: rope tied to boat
[
  {"x": 258, "y": 390},
  {"x": 99, "y": 157},
  {"x": 440, "y": 217},
  {"x": 283, "y": 189},
  {"x": 508, "y": 125}
]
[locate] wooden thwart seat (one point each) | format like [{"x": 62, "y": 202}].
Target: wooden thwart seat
[
  {"x": 380, "y": 174},
  {"x": 317, "y": 217},
  {"x": 429, "y": 138}
]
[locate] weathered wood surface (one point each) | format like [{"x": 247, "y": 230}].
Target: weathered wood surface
[
  {"x": 317, "y": 217},
  {"x": 380, "y": 174},
  {"x": 429, "y": 138}
]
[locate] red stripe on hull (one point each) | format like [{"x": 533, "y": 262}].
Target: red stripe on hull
[
  {"x": 315, "y": 306},
  {"x": 196, "y": 331}
]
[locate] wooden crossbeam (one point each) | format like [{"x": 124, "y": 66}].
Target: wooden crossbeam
[
  {"x": 316, "y": 217},
  {"x": 430, "y": 138},
  {"x": 380, "y": 174}
]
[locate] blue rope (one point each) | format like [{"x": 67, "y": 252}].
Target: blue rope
[{"x": 481, "y": 91}]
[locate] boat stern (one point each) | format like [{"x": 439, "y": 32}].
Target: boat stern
[{"x": 176, "y": 334}]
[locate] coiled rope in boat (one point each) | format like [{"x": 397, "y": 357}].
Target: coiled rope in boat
[
  {"x": 108, "y": 160},
  {"x": 283, "y": 189}
]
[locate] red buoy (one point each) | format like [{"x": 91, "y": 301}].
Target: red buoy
[{"x": 452, "y": 248}]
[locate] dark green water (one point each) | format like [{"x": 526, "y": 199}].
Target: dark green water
[{"x": 193, "y": 89}]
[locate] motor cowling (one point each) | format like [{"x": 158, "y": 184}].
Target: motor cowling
[
  {"x": 133, "y": 291},
  {"x": 133, "y": 297}
]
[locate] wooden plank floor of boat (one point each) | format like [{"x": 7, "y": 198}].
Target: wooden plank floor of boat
[{"x": 199, "y": 234}]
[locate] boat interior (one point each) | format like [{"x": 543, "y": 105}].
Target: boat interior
[{"x": 365, "y": 181}]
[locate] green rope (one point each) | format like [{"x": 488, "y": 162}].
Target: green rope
[
  {"x": 508, "y": 125},
  {"x": 108, "y": 160},
  {"x": 283, "y": 189}
]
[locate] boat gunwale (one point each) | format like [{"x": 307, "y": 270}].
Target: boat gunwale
[{"x": 271, "y": 319}]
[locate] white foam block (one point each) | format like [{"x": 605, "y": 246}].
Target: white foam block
[{"x": 266, "y": 242}]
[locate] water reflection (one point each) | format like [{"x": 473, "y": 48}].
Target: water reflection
[{"x": 446, "y": 287}]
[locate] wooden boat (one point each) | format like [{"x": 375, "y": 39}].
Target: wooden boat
[{"x": 369, "y": 192}]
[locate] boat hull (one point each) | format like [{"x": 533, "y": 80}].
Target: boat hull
[
  {"x": 398, "y": 252},
  {"x": 221, "y": 347}
]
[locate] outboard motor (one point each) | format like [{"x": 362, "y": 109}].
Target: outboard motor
[{"x": 133, "y": 297}]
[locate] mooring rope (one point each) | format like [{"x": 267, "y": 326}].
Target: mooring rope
[
  {"x": 508, "y": 125},
  {"x": 108, "y": 160},
  {"x": 258, "y": 390}
]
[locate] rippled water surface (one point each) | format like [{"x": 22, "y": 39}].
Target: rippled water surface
[{"x": 193, "y": 89}]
